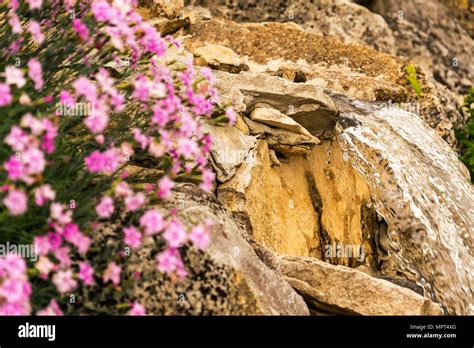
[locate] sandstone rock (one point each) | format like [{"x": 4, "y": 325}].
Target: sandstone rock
[
  {"x": 344, "y": 290},
  {"x": 283, "y": 141},
  {"x": 230, "y": 147},
  {"x": 303, "y": 197},
  {"x": 272, "y": 117},
  {"x": 339, "y": 18},
  {"x": 226, "y": 279},
  {"x": 300, "y": 101},
  {"x": 168, "y": 8},
  {"x": 351, "y": 69},
  {"x": 219, "y": 57}
]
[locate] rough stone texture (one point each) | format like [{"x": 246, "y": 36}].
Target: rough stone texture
[
  {"x": 272, "y": 117},
  {"x": 227, "y": 279},
  {"x": 168, "y": 8},
  {"x": 302, "y": 198},
  {"x": 287, "y": 51},
  {"x": 230, "y": 147},
  {"x": 219, "y": 57},
  {"x": 339, "y": 18},
  {"x": 432, "y": 33},
  {"x": 344, "y": 290},
  {"x": 353, "y": 69},
  {"x": 426, "y": 32}
]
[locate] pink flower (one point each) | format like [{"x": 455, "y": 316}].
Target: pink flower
[
  {"x": 16, "y": 201},
  {"x": 133, "y": 202},
  {"x": 137, "y": 310},
  {"x": 14, "y": 168},
  {"x": 14, "y": 309},
  {"x": 55, "y": 240},
  {"x": 152, "y": 222},
  {"x": 51, "y": 310},
  {"x": 66, "y": 98},
  {"x": 142, "y": 139},
  {"x": 35, "y": 29},
  {"x": 64, "y": 281},
  {"x": 174, "y": 233},
  {"x": 102, "y": 11},
  {"x": 169, "y": 261},
  {"x": 43, "y": 194},
  {"x": 5, "y": 94},
  {"x": 187, "y": 148},
  {"x": 34, "y": 160},
  {"x": 83, "y": 86},
  {"x": 105, "y": 208},
  {"x": 231, "y": 115},
  {"x": 207, "y": 73},
  {"x": 62, "y": 254},
  {"x": 18, "y": 139},
  {"x": 141, "y": 88},
  {"x": 133, "y": 237},
  {"x": 122, "y": 190},
  {"x": 80, "y": 29},
  {"x": 208, "y": 177},
  {"x": 14, "y": 76},
  {"x": 12, "y": 290},
  {"x": 15, "y": 23},
  {"x": 98, "y": 119},
  {"x": 106, "y": 162},
  {"x": 41, "y": 244},
  {"x": 44, "y": 266},
  {"x": 86, "y": 273},
  {"x": 165, "y": 185},
  {"x": 152, "y": 40},
  {"x": 59, "y": 213},
  {"x": 200, "y": 237},
  {"x": 112, "y": 273},
  {"x": 35, "y": 72},
  {"x": 72, "y": 234},
  {"x": 35, "y": 4}
]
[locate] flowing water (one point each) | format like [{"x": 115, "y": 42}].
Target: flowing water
[{"x": 421, "y": 189}]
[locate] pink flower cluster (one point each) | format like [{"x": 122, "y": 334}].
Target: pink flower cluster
[
  {"x": 15, "y": 290},
  {"x": 173, "y": 105}
]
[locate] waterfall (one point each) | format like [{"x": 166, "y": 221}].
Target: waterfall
[{"x": 422, "y": 191}]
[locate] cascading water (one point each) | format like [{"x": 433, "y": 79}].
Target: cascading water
[{"x": 421, "y": 189}]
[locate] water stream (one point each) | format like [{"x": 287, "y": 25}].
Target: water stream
[{"x": 421, "y": 189}]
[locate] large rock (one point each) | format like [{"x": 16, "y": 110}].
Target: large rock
[
  {"x": 343, "y": 290},
  {"x": 228, "y": 278},
  {"x": 292, "y": 208},
  {"x": 286, "y": 50},
  {"x": 343, "y": 19}
]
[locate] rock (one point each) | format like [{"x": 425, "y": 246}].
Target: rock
[
  {"x": 343, "y": 19},
  {"x": 299, "y": 101},
  {"x": 272, "y": 117},
  {"x": 351, "y": 69},
  {"x": 228, "y": 278},
  {"x": 344, "y": 290},
  {"x": 445, "y": 49},
  {"x": 168, "y": 8},
  {"x": 229, "y": 149},
  {"x": 291, "y": 207},
  {"x": 219, "y": 57}
]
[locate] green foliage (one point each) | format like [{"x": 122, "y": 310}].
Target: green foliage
[
  {"x": 411, "y": 77},
  {"x": 466, "y": 135}
]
